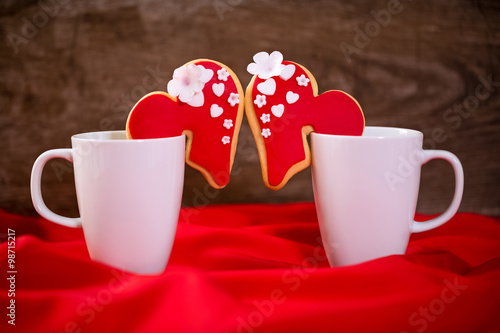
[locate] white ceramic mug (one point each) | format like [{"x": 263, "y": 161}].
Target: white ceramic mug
[
  {"x": 366, "y": 191},
  {"x": 129, "y": 196}
]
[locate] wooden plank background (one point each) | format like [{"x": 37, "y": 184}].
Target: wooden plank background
[{"x": 75, "y": 66}]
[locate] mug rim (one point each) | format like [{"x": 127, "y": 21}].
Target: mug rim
[
  {"x": 87, "y": 136},
  {"x": 393, "y": 133}
]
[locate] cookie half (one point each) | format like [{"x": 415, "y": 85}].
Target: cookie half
[
  {"x": 205, "y": 102},
  {"x": 283, "y": 106}
]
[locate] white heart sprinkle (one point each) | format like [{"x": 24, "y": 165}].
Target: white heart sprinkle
[
  {"x": 278, "y": 110},
  {"x": 267, "y": 87},
  {"x": 197, "y": 100},
  {"x": 216, "y": 110},
  {"x": 218, "y": 89},
  {"x": 292, "y": 97},
  {"x": 287, "y": 72}
]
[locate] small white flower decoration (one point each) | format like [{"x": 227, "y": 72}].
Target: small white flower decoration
[
  {"x": 266, "y": 65},
  {"x": 302, "y": 80},
  {"x": 266, "y": 132},
  {"x": 188, "y": 82},
  {"x": 260, "y": 100},
  {"x": 233, "y": 99},
  {"x": 225, "y": 139},
  {"x": 266, "y": 117},
  {"x": 222, "y": 74},
  {"x": 228, "y": 123}
]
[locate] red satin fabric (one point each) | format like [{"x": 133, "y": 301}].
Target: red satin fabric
[{"x": 256, "y": 268}]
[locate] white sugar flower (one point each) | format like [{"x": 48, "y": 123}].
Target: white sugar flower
[
  {"x": 302, "y": 80},
  {"x": 188, "y": 82},
  {"x": 266, "y": 117},
  {"x": 228, "y": 123},
  {"x": 266, "y": 132},
  {"x": 266, "y": 65},
  {"x": 225, "y": 139},
  {"x": 222, "y": 74},
  {"x": 260, "y": 100},
  {"x": 233, "y": 99}
]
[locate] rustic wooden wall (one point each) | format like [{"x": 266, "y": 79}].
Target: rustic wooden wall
[{"x": 76, "y": 66}]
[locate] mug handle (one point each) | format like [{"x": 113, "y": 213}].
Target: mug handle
[
  {"x": 36, "y": 190},
  {"x": 426, "y": 156}
]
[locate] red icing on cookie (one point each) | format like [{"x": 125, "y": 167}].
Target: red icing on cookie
[
  {"x": 283, "y": 112},
  {"x": 212, "y": 128}
]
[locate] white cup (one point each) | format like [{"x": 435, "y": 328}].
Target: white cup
[
  {"x": 366, "y": 191},
  {"x": 129, "y": 196}
]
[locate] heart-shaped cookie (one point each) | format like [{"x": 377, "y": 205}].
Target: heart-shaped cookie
[
  {"x": 281, "y": 119},
  {"x": 204, "y": 102}
]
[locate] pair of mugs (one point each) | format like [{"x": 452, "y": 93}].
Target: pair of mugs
[{"x": 129, "y": 194}]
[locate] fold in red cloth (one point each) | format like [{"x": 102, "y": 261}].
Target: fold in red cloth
[{"x": 255, "y": 268}]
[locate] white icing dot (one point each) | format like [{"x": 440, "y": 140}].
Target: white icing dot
[
  {"x": 302, "y": 80},
  {"x": 266, "y": 132},
  {"x": 228, "y": 123},
  {"x": 266, "y": 117},
  {"x": 222, "y": 74},
  {"x": 233, "y": 99},
  {"x": 260, "y": 100},
  {"x": 225, "y": 139}
]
